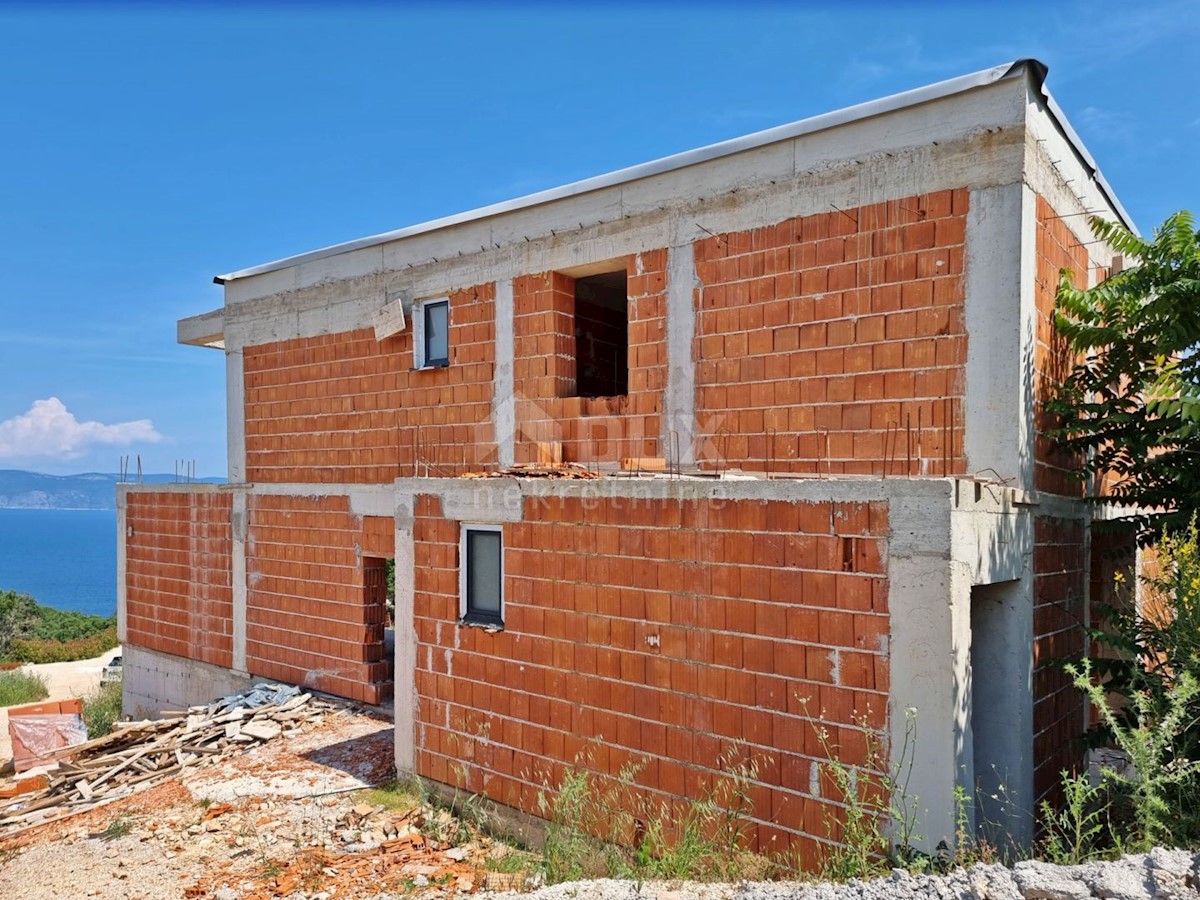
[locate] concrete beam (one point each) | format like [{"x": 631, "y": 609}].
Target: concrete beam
[{"x": 204, "y": 330}]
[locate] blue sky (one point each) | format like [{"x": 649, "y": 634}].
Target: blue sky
[{"x": 145, "y": 149}]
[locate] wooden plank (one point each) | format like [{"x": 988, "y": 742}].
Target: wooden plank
[
  {"x": 550, "y": 453},
  {"x": 644, "y": 464}
]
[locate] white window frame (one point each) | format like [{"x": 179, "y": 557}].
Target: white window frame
[
  {"x": 464, "y": 561},
  {"x": 418, "y": 320}
]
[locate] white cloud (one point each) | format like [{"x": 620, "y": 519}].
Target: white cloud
[{"x": 50, "y": 431}]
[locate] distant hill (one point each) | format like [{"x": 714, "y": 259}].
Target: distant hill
[{"x": 91, "y": 490}]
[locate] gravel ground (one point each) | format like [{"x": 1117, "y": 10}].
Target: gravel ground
[{"x": 289, "y": 819}]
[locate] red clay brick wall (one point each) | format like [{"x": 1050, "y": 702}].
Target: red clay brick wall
[
  {"x": 836, "y": 341},
  {"x": 307, "y": 621},
  {"x": 1057, "y": 248},
  {"x": 346, "y": 408},
  {"x": 178, "y": 574},
  {"x": 662, "y": 630},
  {"x": 1058, "y": 598},
  {"x": 592, "y": 429}
]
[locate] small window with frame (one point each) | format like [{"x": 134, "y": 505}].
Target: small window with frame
[
  {"x": 431, "y": 333},
  {"x": 481, "y": 575}
]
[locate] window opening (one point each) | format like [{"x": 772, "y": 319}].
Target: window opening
[
  {"x": 481, "y": 573},
  {"x": 602, "y": 335}
]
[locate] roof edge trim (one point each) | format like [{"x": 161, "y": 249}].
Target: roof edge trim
[
  {"x": 1039, "y": 70},
  {"x": 676, "y": 161}
]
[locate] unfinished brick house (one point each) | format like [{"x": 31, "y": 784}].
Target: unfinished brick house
[{"x": 837, "y": 335}]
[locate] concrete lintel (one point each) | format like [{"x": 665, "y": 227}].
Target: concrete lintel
[
  {"x": 991, "y": 532},
  {"x": 174, "y": 487},
  {"x": 480, "y": 494},
  {"x": 372, "y": 500}
]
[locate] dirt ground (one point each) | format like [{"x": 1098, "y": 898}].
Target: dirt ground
[
  {"x": 64, "y": 680},
  {"x": 287, "y": 818}
]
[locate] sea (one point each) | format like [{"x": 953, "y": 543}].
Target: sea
[{"x": 65, "y": 558}]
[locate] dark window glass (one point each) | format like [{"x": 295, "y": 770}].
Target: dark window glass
[
  {"x": 483, "y": 579},
  {"x": 437, "y": 334}
]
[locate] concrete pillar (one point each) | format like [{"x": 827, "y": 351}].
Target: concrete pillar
[
  {"x": 405, "y": 668},
  {"x": 122, "y": 537},
  {"x": 995, "y": 438},
  {"x": 235, "y": 415},
  {"x": 679, "y": 399},
  {"x": 240, "y": 528},
  {"x": 924, "y": 645},
  {"x": 504, "y": 415}
]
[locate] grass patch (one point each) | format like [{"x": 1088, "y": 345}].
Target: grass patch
[
  {"x": 601, "y": 826},
  {"x": 394, "y": 796},
  {"x": 21, "y": 687},
  {"x": 117, "y": 828},
  {"x": 101, "y": 709}
]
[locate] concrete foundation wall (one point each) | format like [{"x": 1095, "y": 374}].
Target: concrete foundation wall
[{"x": 154, "y": 681}]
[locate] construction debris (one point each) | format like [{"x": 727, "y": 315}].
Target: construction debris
[
  {"x": 138, "y": 755},
  {"x": 539, "y": 470}
]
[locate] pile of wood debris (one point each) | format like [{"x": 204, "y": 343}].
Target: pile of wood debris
[
  {"x": 138, "y": 755},
  {"x": 540, "y": 470}
]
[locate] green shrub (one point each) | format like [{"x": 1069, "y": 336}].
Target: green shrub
[
  {"x": 1081, "y": 829},
  {"x": 1146, "y": 688},
  {"x": 38, "y": 650},
  {"x": 30, "y": 632},
  {"x": 22, "y": 687},
  {"x": 101, "y": 709}
]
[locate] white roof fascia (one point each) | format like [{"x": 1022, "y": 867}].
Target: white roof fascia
[{"x": 703, "y": 154}]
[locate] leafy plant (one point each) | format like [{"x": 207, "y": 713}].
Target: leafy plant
[
  {"x": 1149, "y": 658},
  {"x": 877, "y": 811},
  {"x": 102, "y": 709},
  {"x": 117, "y": 828},
  {"x": 1081, "y": 829},
  {"x": 1130, "y": 407},
  {"x": 1161, "y": 779}
]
